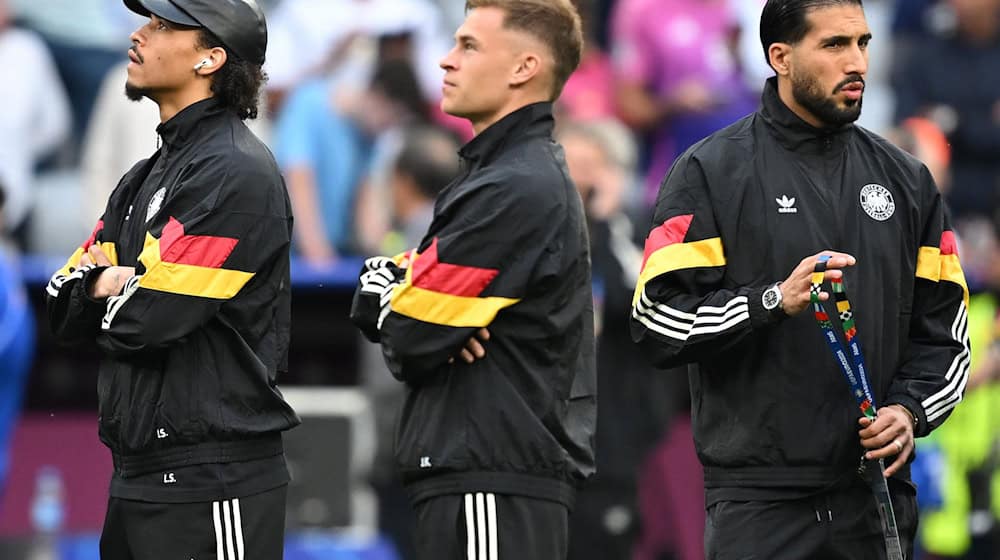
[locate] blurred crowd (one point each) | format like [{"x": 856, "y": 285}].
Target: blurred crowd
[{"x": 353, "y": 121}]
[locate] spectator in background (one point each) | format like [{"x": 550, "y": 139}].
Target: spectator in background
[
  {"x": 634, "y": 403},
  {"x": 86, "y": 38},
  {"x": 17, "y": 344},
  {"x": 324, "y": 146},
  {"x": 589, "y": 94},
  {"x": 34, "y": 121},
  {"x": 952, "y": 79},
  {"x": 677, "y": 75},
  {"x": 427, "y": 162},
  {"x": 331, "y": 38}
]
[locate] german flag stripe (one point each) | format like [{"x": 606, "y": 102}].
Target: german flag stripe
[
  {"x": 197, "y": 250},
  {"x": 445, "y": 309},
  {"x": 941, "y": 263},
  {"x": 429, "y": 273},
  {"x": 670, "y": 232},
  {"x": 446, "y": 294},
  {"x": 187, "y": 279},
  {"x": 679, "y": 256}
]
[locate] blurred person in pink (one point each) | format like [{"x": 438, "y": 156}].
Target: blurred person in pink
[
  {"x": 677, "y": 75},
  {"x": 35, "y": 119},
  {"x": 589, "y": 94}
]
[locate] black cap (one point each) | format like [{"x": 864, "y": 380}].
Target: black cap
[{"x": 239, "y": 24}]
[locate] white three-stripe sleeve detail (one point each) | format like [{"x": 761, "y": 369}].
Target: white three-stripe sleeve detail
[
  {"x": 470, "y": 523},
  {"x": 491, "y": 520},
  {"x": 481, "y": 524},
  {"x": 229, "y": 531},
  {"x": 219, "y": 549},
  {"x": 238, "y": 524},
  {"x": 944, "y": 400},
  {"x": 709, "y": 320}
]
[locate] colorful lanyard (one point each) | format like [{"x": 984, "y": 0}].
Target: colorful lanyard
[
  {"x": 859, "y": 383},
  {"x": 859, "y": 388}
]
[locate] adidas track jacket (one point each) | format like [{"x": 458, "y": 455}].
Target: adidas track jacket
[{"x": 737, "y": 213}]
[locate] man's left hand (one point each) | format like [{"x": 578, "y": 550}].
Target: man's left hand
[{"x": 891, "y": 434}]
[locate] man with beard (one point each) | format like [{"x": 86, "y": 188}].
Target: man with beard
[
  {"x": 798, "y": 187},
  {"x": 184, "y": 289}
]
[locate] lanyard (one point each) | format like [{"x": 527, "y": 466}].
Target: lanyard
[{"x": 857, "y": 378}]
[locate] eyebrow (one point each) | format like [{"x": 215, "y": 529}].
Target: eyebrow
[
  {"x": 465, "y": 39},
  {"x": 844, "y": 39}
]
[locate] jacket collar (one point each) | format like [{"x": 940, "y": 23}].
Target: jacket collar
[
  {"x": 180, "y": 127},
  {"x": 791, "y": 131},
  {"x": 531, "y": 120}
]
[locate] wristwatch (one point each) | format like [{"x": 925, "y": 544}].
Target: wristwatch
[{"x": 771, "y": 300}]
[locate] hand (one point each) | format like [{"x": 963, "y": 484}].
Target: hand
[
  {"x": 111, "y": 281},
  {"x": 692, "y": 96},
  {"x": 795, "y": 289},
  {"x": 94, "y": 255},
  {"x": 474, "y": 349},
  {"x": 890, "y": 434}
]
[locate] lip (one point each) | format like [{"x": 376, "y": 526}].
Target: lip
[
  {"x": 853, "y": 91},
  {"x": 132, "y": 56}
]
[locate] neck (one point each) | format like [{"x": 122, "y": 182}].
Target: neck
[
  {"x": 483, "y": 122},
  {"x": 174, "y": 102},
  {"x": 980, "y": 30},
  {"x": 788, "y": 98}
]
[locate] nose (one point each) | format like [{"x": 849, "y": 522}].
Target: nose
[
  {"x": 137, "y": 36},
  {"x": 857, "y": 62},
  {"x": 448, "y": 62}
]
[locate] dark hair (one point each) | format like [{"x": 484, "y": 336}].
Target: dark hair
[
  {"x": 429, "y": 157},
  {"x": 396, "y": 79},
  {"x": 556, "y": 23},
  {"x": 238, "y": 83},
  {"x": 784, "y": 21}
]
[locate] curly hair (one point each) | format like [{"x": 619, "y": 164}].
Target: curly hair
[{"x": 238, "y": 83}]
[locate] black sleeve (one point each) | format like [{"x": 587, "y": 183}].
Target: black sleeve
[
  {"x": 931, "y": 380},
  {"x": 476, "y": 264},
  {"x": 224, "y": 223},
  {"x": 680, "y": 311},
  {"x": 74, "y": 317}
]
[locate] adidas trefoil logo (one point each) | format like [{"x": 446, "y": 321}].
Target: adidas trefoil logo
[{"x": 786, "y": 205}]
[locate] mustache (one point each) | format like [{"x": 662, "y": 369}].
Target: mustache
[
  {"x": 137, "y": 54},
  {"x": 852, "y": 79}
]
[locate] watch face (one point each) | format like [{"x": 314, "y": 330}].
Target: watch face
[{"x": 770, "y": 299}]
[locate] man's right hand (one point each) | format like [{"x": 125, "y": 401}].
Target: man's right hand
[
  {"x": 474, "y": 349},
  {"x": 795, "y": 289}
]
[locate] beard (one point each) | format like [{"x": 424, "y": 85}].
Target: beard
[
  {"x": 135, "y": 93},
  {"x": 809, "y": 94}
]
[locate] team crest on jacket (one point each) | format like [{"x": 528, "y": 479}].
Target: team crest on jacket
[
  {"x": 155, "y": 203},
  {"x": 877, "y": 202}
]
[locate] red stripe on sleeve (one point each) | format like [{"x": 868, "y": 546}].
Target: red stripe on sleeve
[
  {"x": 671, "y": 231},
  {"x": 196, "y": 250},
  {"x": 93, "y": 236},
  {"x": 430, "y": 273},
  {"x": 949, "y": 246}
]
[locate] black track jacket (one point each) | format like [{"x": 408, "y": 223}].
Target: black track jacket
[
  {"x": 192, "y": 346},
  {"x": 737, "y": 213},
  {"x": 508, "y": 250}
]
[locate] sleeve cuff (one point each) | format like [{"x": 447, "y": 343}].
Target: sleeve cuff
[
  {"x": 760, "y": 317},
  {"x": 911, "y": 404}
]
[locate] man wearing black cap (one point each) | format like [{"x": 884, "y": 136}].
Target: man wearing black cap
[{"x": 184, "y": 288}]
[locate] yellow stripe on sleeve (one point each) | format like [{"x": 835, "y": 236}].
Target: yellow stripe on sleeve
[{"x": 679, "y": 256}]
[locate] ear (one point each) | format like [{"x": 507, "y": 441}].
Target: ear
[
  {"x": 780, "y": 57},
  {"x": 217, "y": 56},
  {"x": 528, "y": 66}
]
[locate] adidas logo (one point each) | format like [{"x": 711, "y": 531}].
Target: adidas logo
[{"x": 786, "y": 205}]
